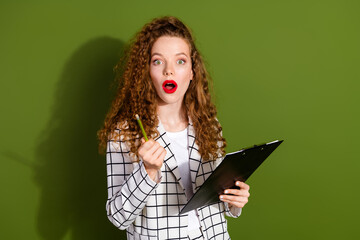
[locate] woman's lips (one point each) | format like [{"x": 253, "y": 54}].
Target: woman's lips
[{"x": 169, "y": 86}]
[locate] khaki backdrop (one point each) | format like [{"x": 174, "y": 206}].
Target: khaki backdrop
[{"x": 282, "y": 70}]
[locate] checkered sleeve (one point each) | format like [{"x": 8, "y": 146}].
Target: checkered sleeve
[{"x": 129, "y": 185}]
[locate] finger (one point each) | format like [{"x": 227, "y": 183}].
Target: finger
[
  {"x": 237, "y": 192},
  {"x": 231, "y": 200},
  {"x": 242, "y": 185},
  {"x": 142, "y": 140},
  {"x": 144, "y": 147},
  {"x": 157, "y": 159},
  {"x": 234, "y": 198},
  {"x": 235, "y": 204},
  {"x": 154, "y": 147},
  {"x": 148, "y": 144},
  {"x": 163, "y": 154},
  {"x": 160, "y": 159},
  {"x": 149, "y": 154},
  {"x": 158, "y": 152}
]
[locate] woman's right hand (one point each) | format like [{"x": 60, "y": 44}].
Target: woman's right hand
[{"x": 152, "y": 154}]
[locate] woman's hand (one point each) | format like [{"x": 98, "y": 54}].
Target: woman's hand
[
  {"x": 152, "y": 155},
  {"x": 239, "y": 197}
]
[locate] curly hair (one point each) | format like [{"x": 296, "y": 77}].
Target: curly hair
[{"x": 136, "y": 94}]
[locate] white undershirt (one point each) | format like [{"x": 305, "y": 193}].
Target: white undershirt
[{"x": 179, "y": 145}]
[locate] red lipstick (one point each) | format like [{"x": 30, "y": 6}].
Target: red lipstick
[{"x": 169, "y": 86}]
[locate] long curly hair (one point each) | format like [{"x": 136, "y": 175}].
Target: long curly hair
[{"x": 136, "y": 94}]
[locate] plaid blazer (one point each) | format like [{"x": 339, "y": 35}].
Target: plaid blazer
[{"x": 150, "y": 210}]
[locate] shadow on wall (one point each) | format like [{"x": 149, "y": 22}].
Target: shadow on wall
[{"x": 71, "y": 175}]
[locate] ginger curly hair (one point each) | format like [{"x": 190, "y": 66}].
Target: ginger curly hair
[{"x": 136, "y": 94}]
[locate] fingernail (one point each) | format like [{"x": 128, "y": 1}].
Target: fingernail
[
  {"x": 221, "y": 197},
  {"x": 226, "y": 191}
]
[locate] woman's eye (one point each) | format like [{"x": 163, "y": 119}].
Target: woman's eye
[
  {"x": 157, "y": 62},
  {"x": 180, "y": 61}
]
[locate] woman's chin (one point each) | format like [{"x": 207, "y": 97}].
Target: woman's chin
[{"x": 169, "y": 100}]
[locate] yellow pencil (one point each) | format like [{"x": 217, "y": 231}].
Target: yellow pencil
[{"x": 141, "y": 126}]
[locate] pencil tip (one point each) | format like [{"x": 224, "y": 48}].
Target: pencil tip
[{"x": 137, "y": 117}]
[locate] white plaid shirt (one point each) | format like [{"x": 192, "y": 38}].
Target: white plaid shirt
[{"x": 150, "y": 210}]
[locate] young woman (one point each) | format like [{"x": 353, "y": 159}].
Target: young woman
[{"x": 165, "y": 82}]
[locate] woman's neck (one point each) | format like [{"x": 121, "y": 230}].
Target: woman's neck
[{"x": 173, "y": 117}]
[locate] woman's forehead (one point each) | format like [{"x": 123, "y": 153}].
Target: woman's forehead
[{"x": 168, "y": 45}]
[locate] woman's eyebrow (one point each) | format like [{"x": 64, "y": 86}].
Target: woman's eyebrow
[
  {"x": 156, "y": 54},
  {"x": 181, "y": 53}
]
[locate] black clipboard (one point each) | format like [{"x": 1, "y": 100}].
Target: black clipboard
[{"x": 235, "y": 166}]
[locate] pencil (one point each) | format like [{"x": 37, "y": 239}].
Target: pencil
[{"x": 141, "y": 126}]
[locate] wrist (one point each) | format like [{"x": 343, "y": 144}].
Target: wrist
[{"x": 153, "y": 173}]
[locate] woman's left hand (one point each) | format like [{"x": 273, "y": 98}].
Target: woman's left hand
[{"x": 239, "y": 197}]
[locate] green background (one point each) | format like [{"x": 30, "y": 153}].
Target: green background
[{"x": 282, "y": 70}]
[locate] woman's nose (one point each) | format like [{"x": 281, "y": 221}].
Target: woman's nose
[{"x": 169, "y": 70}]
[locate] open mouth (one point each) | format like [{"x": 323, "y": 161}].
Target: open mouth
[{"x": 169, "y": 86}]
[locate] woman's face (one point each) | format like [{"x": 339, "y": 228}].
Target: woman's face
[{"x": 170, "y": 69}]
